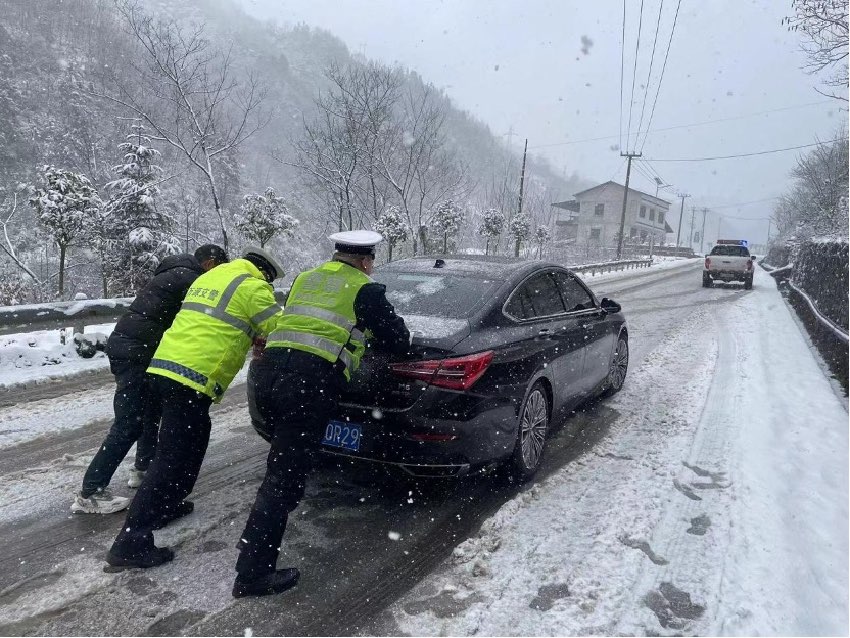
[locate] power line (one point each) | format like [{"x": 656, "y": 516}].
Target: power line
[
  {"x": 693, "y": 124},
  {"x": 622, "y": 66},
  {"x": 652, "y": 170},
  {"x": 775, "y": 150},
  {"x": 634, "y": 77},
  {"x": 651, "y": 62},
  {"x": 661, "y": 78},
  {"x": 754, "y": 201}
]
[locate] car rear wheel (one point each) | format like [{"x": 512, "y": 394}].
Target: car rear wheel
[
  {"x": 531, "y": 433},
  {"x": 618, "y": 368},
  {"x": 748, "y": 283},
  {"x": 706, "y": 281}
]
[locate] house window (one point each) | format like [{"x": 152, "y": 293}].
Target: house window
[
  {"x": 660, "y": 217},
  {"x": 643, "y": 235},
  {"x": 652, "y": 214},
  {"x": 599, "y": 210},
  {"x": 633, "y": 233},
  {"x": 595, "y": 233},
  {"x": 643, "y": 211}
]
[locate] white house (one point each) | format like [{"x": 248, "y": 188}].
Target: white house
[{"x": 593, "y": 217}]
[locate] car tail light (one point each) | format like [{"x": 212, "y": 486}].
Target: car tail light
[
  {"x": 707, "y": 263},
  {"x": 457, "y": 373},
  {"x": 749, "y": 265}
]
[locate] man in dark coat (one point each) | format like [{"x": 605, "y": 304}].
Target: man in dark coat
[{"x": 137, "y": 405}]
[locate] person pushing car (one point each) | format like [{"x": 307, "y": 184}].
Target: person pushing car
[{"x": 314, "y": 348}]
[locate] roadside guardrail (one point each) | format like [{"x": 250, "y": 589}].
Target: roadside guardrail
[
  {"x": 81, "y": 313},
  {"x": 610, "y": 266}
]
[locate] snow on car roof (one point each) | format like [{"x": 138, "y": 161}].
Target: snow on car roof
[{"x": 492, "y": 267}]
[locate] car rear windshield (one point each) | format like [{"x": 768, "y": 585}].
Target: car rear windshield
[
  {"x": 435, "y": 295},
  {"x": 730, "y": 251}
]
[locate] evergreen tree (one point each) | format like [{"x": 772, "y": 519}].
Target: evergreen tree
[
  {"x": 447, "y": 220},
  {"x": 261, "y": 217},
  {"x": 520, "y": 230},
  {"x": 392, "y": 226},
  {"x": 492, "y": 226},
  {"x": 138, "y": 234},
  {"x": 66, "y": 204}
]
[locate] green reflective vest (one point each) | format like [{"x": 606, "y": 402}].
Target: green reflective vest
[
  {"x": 319, "y": 315},
  {"x": 221, "y": 314}
]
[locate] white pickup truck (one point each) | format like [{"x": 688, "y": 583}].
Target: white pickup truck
[{"x": 729, "y": 260}]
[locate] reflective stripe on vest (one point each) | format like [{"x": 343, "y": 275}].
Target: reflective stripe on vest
[
  {"x": 314, "y": 341},
  {"x": 182, "y": 370},
  {"x": 319, "y": 313},
  {"x": 219, "y": 311}
]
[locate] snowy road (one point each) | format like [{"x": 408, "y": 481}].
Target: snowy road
[{"x": 702, "y": 499}]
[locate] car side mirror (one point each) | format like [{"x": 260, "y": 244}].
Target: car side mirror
[
  {"x": 609, "y": 305},
  {"x": 753, "y": 257}
]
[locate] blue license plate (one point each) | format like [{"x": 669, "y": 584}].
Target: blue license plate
[{"x": 343, "y": 435}]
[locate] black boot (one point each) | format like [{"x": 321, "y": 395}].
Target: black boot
[
  {"x": 152, "y": 558},
  {"x": 274, "y": 583},
  {"x": 183, "y": 509}
]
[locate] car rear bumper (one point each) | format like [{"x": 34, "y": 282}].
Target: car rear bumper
[
  {"x": 729, "y": 275},
  {"x": 432, "y": 447}
]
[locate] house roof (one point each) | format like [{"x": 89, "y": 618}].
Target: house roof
[
  {"x": 570, "y": 204},
  {"x": 631, "y": 190}
]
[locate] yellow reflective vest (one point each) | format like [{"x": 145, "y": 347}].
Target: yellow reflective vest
[
  {"x": 319, "y": 316},
  {"x": 221, "y": 314}
]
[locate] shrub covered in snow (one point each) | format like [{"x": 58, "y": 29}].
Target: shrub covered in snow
[
  {"x": 520, "y": 230},
  {"x": 447, "y": 220},
  {"x": 392, "y": 225},
  {"x": 261, "y": 217},
  {"x": 492, "y": 226}
]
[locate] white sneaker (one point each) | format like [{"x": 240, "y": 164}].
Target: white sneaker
[
  {"x": 101, "y": 502},
  {"x": 136, "y": 477}
]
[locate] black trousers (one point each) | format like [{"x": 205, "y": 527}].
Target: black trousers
[
  {"x": 137, "y": 411},
  {"x": 183, "y": 439},
  {"x": 297, "y": 393}
]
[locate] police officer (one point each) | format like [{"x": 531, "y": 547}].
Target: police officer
[
  {"x": 137, "y": 407},
  {"x": 316, "y": 345},
  {"x": 194, "y": 364}
]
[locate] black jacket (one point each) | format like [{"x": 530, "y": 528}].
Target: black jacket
[
  {"x": 138, "y": 332},
  {"x": 376, "y": 314}
]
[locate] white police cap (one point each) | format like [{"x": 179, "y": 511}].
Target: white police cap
[
  {"x": 356, "y": 242},
  {"x": 264, "y": 255}
]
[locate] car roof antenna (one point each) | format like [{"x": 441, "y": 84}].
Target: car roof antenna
[{"x": 439, "y": 263}]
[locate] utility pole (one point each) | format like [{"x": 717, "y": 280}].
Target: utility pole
[
  {"x": 769, "y": 222},
  {"x": 681, "y": 212},
  {"x": 521, "y": 185},
  {"x": 625, "y": 199},
  {"x": 702, "y": 233},
  {"x": 522, "y": 178}
]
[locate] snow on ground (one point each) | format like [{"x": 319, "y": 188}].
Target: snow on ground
[
  {"x": 717, "y": 504},
  {"x": 30, "y": 420},
  {"x": 41, "y": 356}
]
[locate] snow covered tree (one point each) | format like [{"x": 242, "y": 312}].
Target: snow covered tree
[
  {"x": 446, "y": 220},
  {"x": 492, "y": 226},
  {"x": 541, "y": 237},
  {"x": 392, "y": 226},
  {"x": 261, "y": 217},
  {"x": 520, "y": 230},
  {"x": 65, "y": 203},
  {"x": 822, "y": 25},
  {"x": 135, "y": 233}
]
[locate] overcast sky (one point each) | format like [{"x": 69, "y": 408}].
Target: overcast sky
[{"x": 550, "y": 71}]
